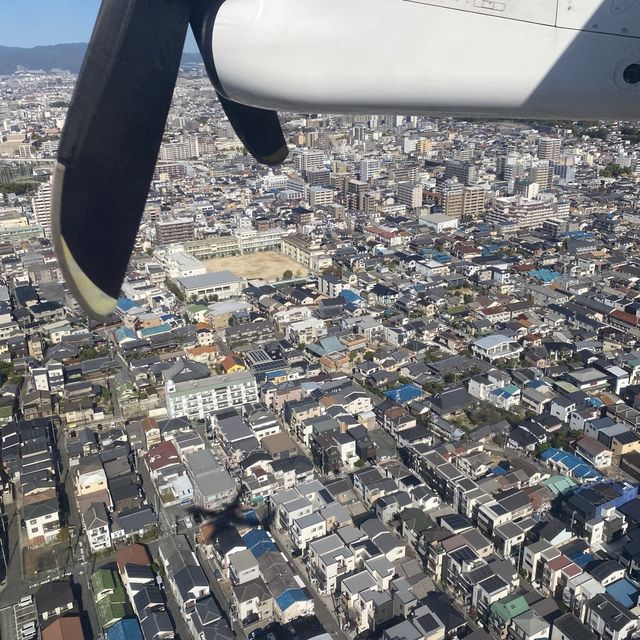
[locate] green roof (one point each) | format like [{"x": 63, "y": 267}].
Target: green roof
[
  {"x": 559, "y": 484},
  {"x": 195, "y": 308},
  {"x": 109, "y": 612},
  {"x": 566, "y": 386},
  {"x": 509, "y": 607},
  {"x": 102, "y": 580}
]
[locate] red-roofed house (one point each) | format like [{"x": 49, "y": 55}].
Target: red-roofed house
[{"x": 161, "y": 456}]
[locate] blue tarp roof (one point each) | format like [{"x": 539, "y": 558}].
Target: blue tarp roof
[
  {"x": 404, "y": 393},
  {"x": 625, "y": 591},
  {"x": 125, "y": 629},
  {"x": 577, "y": 466},
  {"x": 499, "y": 471},
  {"x": 258, "y": 542},
  {"x": 290, "y": 597}
]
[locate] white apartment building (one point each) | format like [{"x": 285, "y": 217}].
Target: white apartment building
[
  {"x": 41, "y": 206},
  {"x": 196, "y": 399}
]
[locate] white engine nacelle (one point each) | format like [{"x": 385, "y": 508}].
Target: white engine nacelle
[{"x": 537, "y": 58}]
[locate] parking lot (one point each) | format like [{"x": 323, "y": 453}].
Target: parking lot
[{"x": 25, "y": 618}]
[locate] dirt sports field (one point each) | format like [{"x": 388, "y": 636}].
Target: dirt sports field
[{"x": 266, "y": 265}]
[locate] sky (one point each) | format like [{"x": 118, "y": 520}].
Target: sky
[{"x": 29, "y": 23}]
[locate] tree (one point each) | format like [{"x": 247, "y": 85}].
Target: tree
[
  {"x": 287, "y": 275},
  {"x": 6, "y": 369}
]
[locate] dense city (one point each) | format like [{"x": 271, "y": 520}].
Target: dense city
[{"x": 388, "y": 390}]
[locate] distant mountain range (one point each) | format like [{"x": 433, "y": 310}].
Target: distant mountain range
[{"x": 57, "y": 56}]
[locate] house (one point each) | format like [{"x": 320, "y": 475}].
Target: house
[
  {"x": 42, "y": 522},
  {"x": 184, "y": 574},
  {"x": 54, "y": 598},
  {"x": 608, "y": 619},
  {"x": 97, "y": 527},
  {"x": 213, "y": 486},
  {"x": 253, "y": 601},
  {"x": 496, "y": 347},
  {"x": 594, "y": 452},
  {"x": 67, "y": 627},
  {"x": 568, "y": 627}
]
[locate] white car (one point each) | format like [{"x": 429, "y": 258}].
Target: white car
[{"x": 25, "y": 602}]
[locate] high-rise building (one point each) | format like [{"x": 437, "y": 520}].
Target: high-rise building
[
  {"x": 41, "y": 207},
  {"x": 320, "y": 196},
  {"x": 174, "y": 230},
  {"x": 473, "y": 201},
  {"x": 527, "y": 189},
  {"x": 306, "y": 159},
  {"x": 542, "y": 173},
  {"x": 355, "y": 194},
  {"x": 451, "y": 195},
  {"x": 410, "y": 194},
  {"x": 183, "y": 149},
  {"x": 369, "y": 168},
  {"x": 465, "y": 171},
  {"x": 318, "y": 177},
  {"x": 549, "y": 149},
  {"x": 424, "y": 145}
]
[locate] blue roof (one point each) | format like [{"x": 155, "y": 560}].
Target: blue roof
[
  {"x": 274, "y": 374},
  {"x": 505, "y": 392},
  {"x": 251, "y": 516},
  {"x": 154, "y": 331},
  {"x": 577, "y": 466},
  {"x": 351, "y": 296},
  {"x": 499, "y": 471},
  {"x": 625, "y": 591},
  {"x": 124, "y": 304},
  {"x": 124, "y": 333},
  {"x": 258, "y": 542},
  {"x": 404, "y": 393},
  {"x": 582, "y": 559},
  {"x": 596, "y": 403},
  {"x": 544, "y": 275},
  {"x": 125, "y": 629},
  {"x": 290, "y": 597}
]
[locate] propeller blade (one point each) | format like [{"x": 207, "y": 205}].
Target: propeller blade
[
  {"x": 110, "y": 143},
  {"x": 259, "y": 130}
]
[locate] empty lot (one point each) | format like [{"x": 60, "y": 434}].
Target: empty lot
[{"x": 266, "y": 265}]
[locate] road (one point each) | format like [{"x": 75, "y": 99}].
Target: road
[
  {"x": 327, "y": 619},
  {"x": 221, "y": 597}
]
